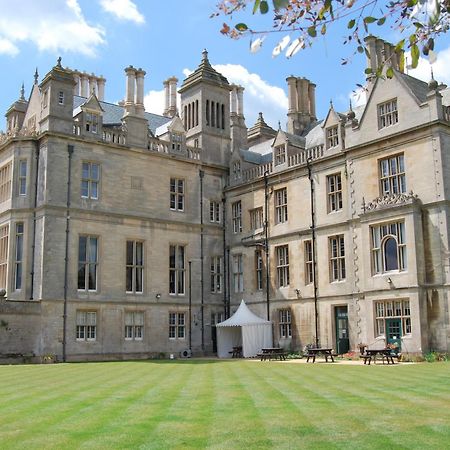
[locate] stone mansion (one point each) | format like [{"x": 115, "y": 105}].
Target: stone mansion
[{"x": 125, "y": 234}]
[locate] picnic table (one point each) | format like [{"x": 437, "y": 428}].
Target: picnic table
[
  {"x": 313, "y": 352},
  {"x": 385, "y": 353},
  {"x": 272, "y": 353},
  {"x": 236, "y": 352}
]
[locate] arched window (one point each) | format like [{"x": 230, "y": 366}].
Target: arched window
[
  {"x": 390, "y": 254},
  {"x": 207, "y": 112}
]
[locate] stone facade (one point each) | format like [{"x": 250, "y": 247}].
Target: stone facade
[{"x": 125, "y": 234}]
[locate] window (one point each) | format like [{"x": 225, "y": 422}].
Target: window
[
  {"x": 19, "y": 257},
  {"x": 388, "y": 247},
  {"x": 92, "y": 122},
  {"x": 236, "y": 212},
  {"x": 176, "y": 194},
  {"x": 134, "y": 325},
  {"x": 176, "y": 269},
  {"x": 90, "y": 178},
  {"x": 5, "y": 182},
  {"x": 236, "y": 170},
  {"x": 337, "y": 258},
  {"x": 177, "y": 325},
  {"x": 392, "y": 175},
  {"x": 214, "y": 211},
  {"x": 284, "y": 319},
  {"x": 86, "y": 326},
  {"x": 387, "y": 114},
  {"x": 87, "y": 263},
  {"x": 61, "y": 97},
  {"x": 177, "y": 140},
  {"x": 134, "y": 266},
  {"x": 256, "y": 218},
  {"x": 259, "y": 270},
  {"x": 217, "y": 318},
  {"x": 281, "y": 212},
  {"x": 392, "y": 309},
  {"x": 45, "y": 99},
  {"x": 22, "y": 177},
  {"x": 309, "y": 268},
  {"x": 280, "y": 155},
  {"x": 334, "y": 191},
  {"x": 4, "y": 234},
  {"x": 238, "y": 275},
  {"x": 216, "y": 274},
  {"x": 282, "y": 253},
  {"x": 332, "y": 137}
]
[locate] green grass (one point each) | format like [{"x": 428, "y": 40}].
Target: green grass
[{"x": 224, "y": 405}]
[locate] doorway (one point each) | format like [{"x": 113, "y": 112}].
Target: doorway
[
  {"x": 394, "y": 332},
  {"x": 341, "y": 321}
]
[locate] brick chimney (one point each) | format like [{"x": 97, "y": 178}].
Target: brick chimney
[{"x": 302, "y": 104}]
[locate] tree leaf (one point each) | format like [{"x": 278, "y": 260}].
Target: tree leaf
[
  {"x": 351, "y": 23},
  {"x": 415, "y": 54},
  {"x": 264, "y": 7},
  {"x": 381, "y": 21},
  {"x": 401, "y": 61},
  {"x": 368, "y": 71},
  {"x": 280, "y": 4},
  {"x": 312, "y": 31},
  {"x": 360, "y": 49},
  {"x": 256, "y": 6},
  {"x": 369, "y": 19},
  {"x": 241, "y": 27},
  {"x": 323, "y": 30}
]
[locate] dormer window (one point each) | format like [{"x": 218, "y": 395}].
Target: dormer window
[
  {"x": 280, "y": 155},
  {"x": 332, "y": 137},
  {"x": 177, "y": 140},
  {"x": 92, "y": 122},
  {"x": 61, "y": 98},
  {"x": 387, "y": 114},
  {"x": 236, "y": 170}
]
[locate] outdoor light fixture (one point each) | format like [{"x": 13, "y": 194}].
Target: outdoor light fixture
[
  {"x": 389, "y": 280},
  {"x": 297, "y": 291},
  {"x": 158, "y": 296}
]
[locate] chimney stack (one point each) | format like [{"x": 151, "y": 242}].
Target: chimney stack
[
  {"x": 170, "y": 91},
  {"x": 101, "y": 88},
  {"x": 302, "y": 104},
  {"x": 139, "y": 103},
  {"x": 130, "y": 72},
  {"x": 84, "y": 85}
]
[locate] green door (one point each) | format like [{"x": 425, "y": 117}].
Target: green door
[
  {"x": 341, "y": 320},
  {"x": 394, "y": 332}
]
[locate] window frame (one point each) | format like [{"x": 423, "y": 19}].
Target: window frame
[
  {"x": 337, "y": 258},
  {"x": 309, "y": 261},
  {"x": 177, "y": 271},
  {"x": 281, "y": 205},
  {"x": 380, "y": 233},
  {"x": 280, "y": 154},
  {"x": 285, "y": 323},
  {"x": 334, "y": 193},
  {"x": 86, "y": 332},
  {"x": 88, "y": 182},
  {"x": 389, "y": 309},
  {"x": 134, "y": 267},
  {"x": 177, "y": 327},
  {"x": 332, "y": 136},
  {"x": 18, "y": 255},
  {"x": 236, "y": 216},
  {"x": 259, "y": 270},
  {"x": 282, "y": 260},
  {"x": 214, "y": 211},
  {"x": 387, "y": 113},
  {"x": 257, "y": 218},
  {"x": 238, "y": 273},
  {"x": 216, "y": 274},
  {"x": 177, "y": 197},
  {"x": 22, "y": 177},
  {"x": 134, "y": 330},
  {"x": 392, "y": 181},
  {"x": 86, "y": 264}
]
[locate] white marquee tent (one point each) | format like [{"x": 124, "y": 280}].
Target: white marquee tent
[{"x": 244, "y": 329}]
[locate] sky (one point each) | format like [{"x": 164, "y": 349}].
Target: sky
[{"x": 166, "y": 38}]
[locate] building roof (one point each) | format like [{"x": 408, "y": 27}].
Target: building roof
[
  {"x": 418, "y": 87},
  {"x": 113, "y": 114}
]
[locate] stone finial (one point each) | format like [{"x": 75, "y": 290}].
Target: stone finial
[
  {"x": 22, "y": 92},
  {"x": 58, "y": 62},
  {"x": 432, "y": 84},
  {"x": 279, "y": 126},
  {"x": 351, "y": 113},
  {"x": 36, "y": 76},
  {"x": 205, "y": 55}
]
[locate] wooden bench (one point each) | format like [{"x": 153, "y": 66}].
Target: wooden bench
[
  {"x": 267, "y": 356},
  {"x": 367, "y": 358}
]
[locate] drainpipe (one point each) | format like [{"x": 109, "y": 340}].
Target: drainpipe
[
  {"x": 228, "y": 308},
  {"x": 313, "y": 241},
  {"x": 33, "y": 245},
  {"x": 190, "y": 306},
  {"x": 266, "y": 238},
  {"x": 201, "y": 174},
  {"x": 66, "y": 256},
  {"x": 225, "y": 267}
]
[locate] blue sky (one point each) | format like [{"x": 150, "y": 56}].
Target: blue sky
[{"x": 166, "y": 38}]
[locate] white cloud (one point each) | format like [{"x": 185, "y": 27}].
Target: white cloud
[
  {"x": 52, "y": 25},
  {"x": 440, "y": 67},
  {"x": 259, "y": 95},
  {"x": 155, "y": 102},
  {"x": 123, "y": 10},
  {"x": 8, "y": 48},
  {"x": 358, "y": 97}
]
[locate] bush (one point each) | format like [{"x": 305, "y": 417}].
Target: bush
[{"x": 436, "y": 356}]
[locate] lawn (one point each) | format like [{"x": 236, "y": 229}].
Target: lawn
[{"x": 234, "y": 404}]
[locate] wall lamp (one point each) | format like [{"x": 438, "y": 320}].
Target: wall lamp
[
  {"x": 158, "y": 296},
  {"x": 297, "y": 291},
  {"x": 389, "y": 280}
]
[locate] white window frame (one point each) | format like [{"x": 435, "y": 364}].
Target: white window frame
[
  {"x": 285, "y": 323},
  {"x": 238, "y": 273},
  {"x": 309, "y": 262},
  {"x": 23, "y": 163},
  {"x": 392, "y": 309},
  {"x": 280, "y": 154},
  {"x": 337, "y": 258},
  {"x": 177, "y": 325},
  {"x": 86, "y": 325},
  {"x": 334, "y": 192},
  {"x": 332, "y": 136},
  {"x": 90, "y": 181},
  {"x": 216, "y": 274},
  {"x": 89, "y": 261},
  {"x": 92, "y": 122},
  {"x": 281, "y": 206},
  {"x": 259, "y": 268},
  {"x": 4, "y": 239},
  {"x": 177, "y": 269},
  {"x": 177, "y": 194},
  {"x": 61, "y": 98},
  {"x": 387, "y": 113},
  {"x": 18, "y": 263},
  {"x": 214, "y": 211},
  {"x": 380, "y": 234},
  {"x": 236, "y": 213},
  {"x": 392, "y": 175},
  {"x": 134, "y": 325},
  {"x": 257, "y": 218},
  {"x": 134, "y": 267},
  {"x": 282, "y": 255}
]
